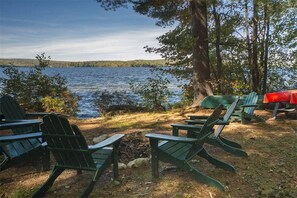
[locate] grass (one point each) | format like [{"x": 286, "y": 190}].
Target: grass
[{"x": 269, "y": 171}]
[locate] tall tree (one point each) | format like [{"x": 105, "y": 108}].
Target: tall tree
[
  {"x": 219, "y": 63},
  {"x": 265, "y": 45},
  {"x": 270, "y": 51},
  {"x": 201, "y": 68},
  {"x": 168, "y": 12},
  {"x": 254, "y": 67}
]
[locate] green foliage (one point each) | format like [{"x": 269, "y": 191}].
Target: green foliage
[
  {"x": 36, "y": 91},
  {"x": 60, "y": 104},
  {"x": 281, "y": 79},
  {"x": 116, "y": 101},
  {"x": 154, "y": 93}
]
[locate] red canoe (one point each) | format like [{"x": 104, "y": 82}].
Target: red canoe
[
  {"x": 282, "y": 96},
  {"x": 293, "y": 98}
]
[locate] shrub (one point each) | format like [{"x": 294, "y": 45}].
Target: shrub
[
  {"x": 154, "y": 93},
  {"x": 36, "y": 91},
  {"x": 117, "y": 101}
]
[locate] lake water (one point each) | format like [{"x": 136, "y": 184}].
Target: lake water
[{"x": 85, "y": 81}]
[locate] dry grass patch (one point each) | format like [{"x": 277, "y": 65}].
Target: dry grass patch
[{"x": 269, "y": 171}]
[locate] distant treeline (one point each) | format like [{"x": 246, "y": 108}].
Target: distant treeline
[{"x": 131, "y": 63}]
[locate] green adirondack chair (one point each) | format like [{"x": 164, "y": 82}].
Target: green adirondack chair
[
  {"x": 216, "y": 138},
  {"x": 71, "y": 151},
  {"x": 211, "y": 102},
  {"x": 20, "y": 150},
  {"x": 246, "y": 113},
  {"x": 11, "y": 109},
  {"x": 17, "y": 148},
  {"x": 179, "y": 151}
]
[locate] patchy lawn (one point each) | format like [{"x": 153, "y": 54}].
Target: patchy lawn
[{"x": 269, "y": 171}]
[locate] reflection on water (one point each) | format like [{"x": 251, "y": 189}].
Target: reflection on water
[{"x": 85, "y": 81}]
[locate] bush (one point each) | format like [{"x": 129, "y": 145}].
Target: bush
[
  {"x": 154, "y": 93},
  {"x": 36, "y": 91},
  {"x": 116, "y": 101}
]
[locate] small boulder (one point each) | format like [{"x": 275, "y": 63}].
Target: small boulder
[
  {"x": 138, "y": 162},
  {"x": 122, "y": 166}
]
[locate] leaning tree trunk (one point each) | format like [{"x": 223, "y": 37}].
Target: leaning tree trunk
[{"x": 201, "y": 68}]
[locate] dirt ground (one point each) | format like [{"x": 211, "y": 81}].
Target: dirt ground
[{"x": 270, "y": 170}]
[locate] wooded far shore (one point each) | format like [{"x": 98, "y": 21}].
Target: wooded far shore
[{"x": 103, "y": 63}]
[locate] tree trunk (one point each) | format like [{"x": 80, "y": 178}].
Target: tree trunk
[
  {"x": 217, "y": 44},
  {"x": 248, "y": 42},
  {"x": 201, "y": 68},
  {"x": 265, "y": 61},
  {"x": 255, "y": 68}
]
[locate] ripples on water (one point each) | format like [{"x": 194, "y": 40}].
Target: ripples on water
[{"x": 85, "y": 81}]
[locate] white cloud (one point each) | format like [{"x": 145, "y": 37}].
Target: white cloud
[{"x": 120, "y": 45}]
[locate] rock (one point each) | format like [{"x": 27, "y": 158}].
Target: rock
[
  {"x": 138, "y": 162},
  {"x": 122, "y": 166},
  {"x": 116, "y": 182},
  {"x": 100, "y": 138}
]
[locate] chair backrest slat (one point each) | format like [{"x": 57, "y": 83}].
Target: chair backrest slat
[
  {"x": 66, "y": 142},
  {"x": 210, "y": 122},
  {"x": 205, "y": 131},
  {"x": 251, "y": 99},
  {"x": 11, "y": 109},
  {"x": 226, "y": 117}
]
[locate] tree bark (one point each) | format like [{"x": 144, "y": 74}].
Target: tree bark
[
  {"x": 201, "y": 68},
  {"x": 248, "y": 42},
  {"x": 217, "y": 45},
  {"x": 255, "y": 67},
  {"x": 266, "y": 47}
]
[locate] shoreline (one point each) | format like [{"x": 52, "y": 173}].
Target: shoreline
[{"x": 100, "y": 63}]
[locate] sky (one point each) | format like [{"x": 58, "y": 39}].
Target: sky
[{"x": 74, "y": 30}]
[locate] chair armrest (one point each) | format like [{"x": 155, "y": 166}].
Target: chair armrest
[
  {"x": 220, "y": 122},
  {"x": 12, "y": 138},
  {"x": 196, "y": 121},
  {"x": 36, "y": 114},
  {"x": 197, "y": 117},
  {"x": 194, "y": 117},
  {"x": 170, "y": 138},
  {"x": 187, "y": 127},
  {"x": 111, "y": 140},
  {"x": 41, "y": 114},
  {"x": 251, "y": 105}
]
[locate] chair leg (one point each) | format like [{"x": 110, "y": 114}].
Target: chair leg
[
  {"x": 45, "y": 161},
  {"x": 155, "y": 157},
  {"x": 202, "y": 177},
  {"x": 232, "y": 150},
  {"x": 90, "y": 187},
  {"x": 230, "y": 143},
  {"x": 4, "y": 161},
  {"x": 115, "y": 160},
  {"x": 49, "y": 182},
  {"x": 235, "y": 151},
  {"x": 220, "y": 164},
  {"x": 275, "y": 110}
]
